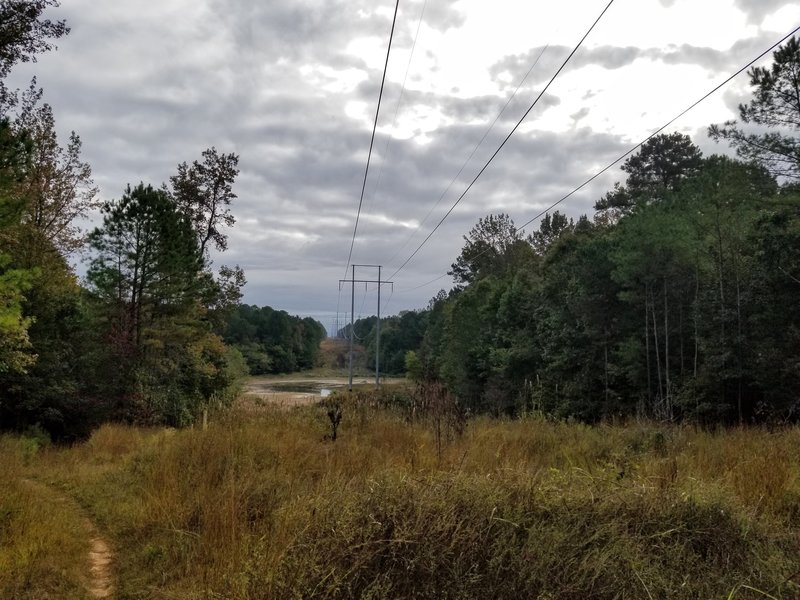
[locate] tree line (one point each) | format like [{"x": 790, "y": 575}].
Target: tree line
[
  {"x": 272, "y": 341},
  {"x": 678, "y": 299},
  {"x": 400, "y": 334},
  {"x": 142, "y": 338}
]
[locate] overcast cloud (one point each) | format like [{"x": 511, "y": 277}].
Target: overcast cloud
[{"x": 291, "y": 87}]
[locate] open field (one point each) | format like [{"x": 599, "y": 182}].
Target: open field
[
  {"x": 262, "y": 506},
  {"x": 298, "y": 389}
]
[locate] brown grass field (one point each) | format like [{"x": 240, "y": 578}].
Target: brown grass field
[{"x": 262, "y": 505}]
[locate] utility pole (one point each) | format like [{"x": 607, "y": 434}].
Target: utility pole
[
  {"x": 353, "y": 281},
  {"x": 378, "y": 335},
  {"x": 352, "y": 327}
]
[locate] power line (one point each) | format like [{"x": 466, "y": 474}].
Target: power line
[
  {"x": 387, "y": 301},
  {"x": 503, "y": 143},
  {"x": 474, "y": 150},
  {"x": 422, "y": 285},
  {"x": 363, "y": 300},
  {"x": 660, "y": 129},
  {"x": 338, "y": 305},
  {"x": 399, "y": 103},
  {"x": 633, "y": 149},
  {"x": 372, "y": 140}
]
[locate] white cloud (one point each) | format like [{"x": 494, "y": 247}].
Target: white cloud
[{"x": 292, "y": 88}]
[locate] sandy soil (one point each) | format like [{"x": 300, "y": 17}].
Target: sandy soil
[{"x": 101, "y": 582}]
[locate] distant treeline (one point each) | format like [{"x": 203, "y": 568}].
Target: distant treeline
[
  {"x": 272, "y": 341},
  {"x": 399, "y": 335}
]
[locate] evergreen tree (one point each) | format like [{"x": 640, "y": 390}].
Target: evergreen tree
[
  {"x": 164, "y": 364},
  {"x": 492, "y": 245},
  {"x": 659, "y": 168},
  {"x": 773, "y": 116}
]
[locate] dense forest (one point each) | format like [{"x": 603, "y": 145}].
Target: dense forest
[
  {"x": 155, "y": 333},
  {"x": 677, "y": 300},
  {"x": 400, "y": 334},
  {"x": 272, "y": 341},
  {"x": 140, "y": 339}
]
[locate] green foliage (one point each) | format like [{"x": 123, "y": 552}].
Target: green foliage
[
  {"x": 678, "y": 303},
  {"x": 163, "y": 364},
  {"x": 661, "y": 164},
  {"x": 58, "y": 186},
  {"x": 141, "y": 344},
  {"x": 775, "y": 325},
  {"x": 492, "y": 246},
  {"x": 204, "y": 192},
  {"x": 551, "y": 228},
  {"x": 15, "y": 346},
  {"x": 775, "y": 107},
  {"x": 672, "y": 311},
  {"x": 413, "y": 366},
  {"x": 43, "y": 187},
  {"x": 660, "y": 167},
  {"x": 399, "y": 335},
  {"x": 272, "y": 341},
  {"x": 146, "y": 265},
  {"x": 24, "y": 33}
]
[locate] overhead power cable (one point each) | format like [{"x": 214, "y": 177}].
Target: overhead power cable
[
  {"x": 503, "y": 143},
  {"x": 372, "y": 140},
  {"x": 471, "y": 154},
  {"x": 387, "y": 301},
  {"x": 338, "y": 305},
  {"x": 660, "y": 129},
  {"x": 422, "y": 285},
  {"x": 634, "y": 148},
  {"x": 399, "y": 103},
  {"x": 360, "y": 312}
]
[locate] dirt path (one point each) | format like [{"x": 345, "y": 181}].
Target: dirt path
[
  {"x": 101, "y": 580},
  {"x": 100, "y": 559}
]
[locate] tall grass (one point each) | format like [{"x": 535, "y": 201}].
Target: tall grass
[
  {"x": 262, "y": 506},
  {"x": 43, "y": 543}
]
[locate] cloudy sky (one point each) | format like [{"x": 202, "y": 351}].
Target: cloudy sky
[{"x": 291, "y": 86}]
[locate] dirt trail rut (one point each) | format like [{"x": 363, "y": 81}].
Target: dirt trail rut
[
  {"x": 101, "y": 581},
  {"x": 100, "y": 560}
]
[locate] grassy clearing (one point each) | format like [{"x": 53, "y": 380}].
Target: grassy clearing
[
  {"x": 262, "y": 507},
  {"x": 43, "y": 543}
]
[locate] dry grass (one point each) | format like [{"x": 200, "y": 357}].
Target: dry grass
[
  {"x": 260, "y": 506},
  {"x": 43, "y": 545}
]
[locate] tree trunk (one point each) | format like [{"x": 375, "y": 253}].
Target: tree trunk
[
  {"x": 696, "y": 311},
  {"x": 667, "y": 390},
  {"x": 680, "y": 336},
  {"x": 605, "y": 369},
  {"x": 739, "y": 361},
  {"x": 720, "y": 277},
  {"x": 647, "y": 347},
  {"x": 660, "y": 397}
]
